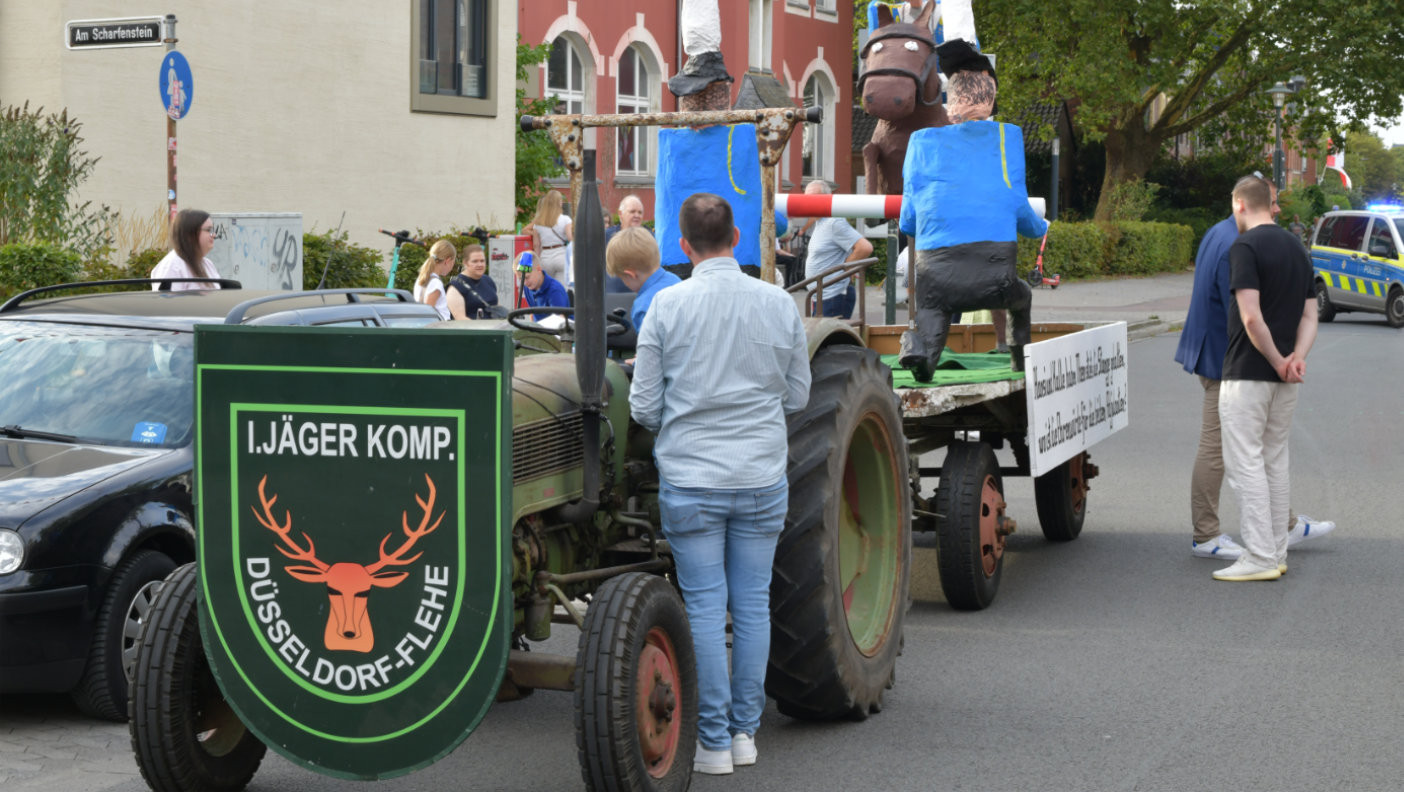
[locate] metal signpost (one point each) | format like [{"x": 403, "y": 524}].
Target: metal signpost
[
  {"x": 177, "y": 92},
  {"x": 359, "y": 628}
]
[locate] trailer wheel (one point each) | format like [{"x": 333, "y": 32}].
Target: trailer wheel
[
  {"x": 838, "y": 594},
  {"x": 1325, "y": 310},
  {"x": 184, "y": 734},
  {"x": 971, "y": 531},
  {"x": 1061, "y": 496},
  {"x": 636, "y": 687},
  {"x": 102, "y": 693}
]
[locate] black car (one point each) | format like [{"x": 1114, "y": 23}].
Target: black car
[{"x": 96, "y": 410}]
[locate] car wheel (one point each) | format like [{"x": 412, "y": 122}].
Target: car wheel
[
  {"x": 102, "y": 691},
  {"x": 1325, "y": 310},
  {"x": 1394, "y": 307}
]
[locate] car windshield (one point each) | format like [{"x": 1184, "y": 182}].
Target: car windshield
[{"x": 104, "y": 385}]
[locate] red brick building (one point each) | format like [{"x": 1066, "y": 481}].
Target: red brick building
[{"x": 617, "y": 58}]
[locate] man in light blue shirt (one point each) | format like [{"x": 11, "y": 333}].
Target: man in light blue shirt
[
  {"x": 833, "y": 243},
  {"x": 720, "y": 362}
]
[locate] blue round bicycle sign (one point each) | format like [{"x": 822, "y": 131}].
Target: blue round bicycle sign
[{"x": 177, "y": 86}]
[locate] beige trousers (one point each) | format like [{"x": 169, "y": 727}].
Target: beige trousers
[
  {"x": 1256, "y": 421},
  {"x": 1207, "y": 479}
]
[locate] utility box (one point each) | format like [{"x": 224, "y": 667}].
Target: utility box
[
  {"x": 261, "y": 250},
  {"x": 502, "y": 256}
]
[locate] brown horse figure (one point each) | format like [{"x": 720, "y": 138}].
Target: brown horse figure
[{"x": 901, "y": 87}]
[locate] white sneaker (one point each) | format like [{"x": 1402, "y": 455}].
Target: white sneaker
[
  {"x": 743, "y": 750},
  {"x": 1244, "y": 570},
  {"x": 1221, "y": 546},
  {"x": 712, "y": 762},
  {"x": 1308, "y": 528}
]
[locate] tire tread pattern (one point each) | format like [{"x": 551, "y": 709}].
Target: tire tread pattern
[{"x": 815, "y": 671}]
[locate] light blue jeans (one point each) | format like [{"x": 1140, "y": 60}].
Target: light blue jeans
[{"x": 723, "y": 544}]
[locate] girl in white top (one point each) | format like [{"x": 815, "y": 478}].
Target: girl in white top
[
  {"x": 429, "y": 287},
  {"x": 551, "y": 231},
  {"x": 192, "y": 238}
]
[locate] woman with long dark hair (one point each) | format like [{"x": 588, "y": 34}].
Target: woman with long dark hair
[{"x": 192, "y": 238}]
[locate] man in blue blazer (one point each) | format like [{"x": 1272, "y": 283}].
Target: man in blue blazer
[{"x": 1203, "y": 343}]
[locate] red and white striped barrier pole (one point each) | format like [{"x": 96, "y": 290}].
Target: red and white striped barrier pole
[{"x": 887, "y": 207}]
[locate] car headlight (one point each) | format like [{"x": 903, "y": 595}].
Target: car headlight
[{"x": 11, "y": 551}]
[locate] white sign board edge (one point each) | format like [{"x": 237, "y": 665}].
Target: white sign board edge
[{"x": 1077, "y": 391}]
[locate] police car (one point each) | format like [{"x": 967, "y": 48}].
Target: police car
[{"x": 1358, "y": 258}]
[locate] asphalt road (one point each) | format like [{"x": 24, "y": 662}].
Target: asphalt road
[{"x": 1110, "y": 663}]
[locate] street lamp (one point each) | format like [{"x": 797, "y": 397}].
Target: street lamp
[{"x": 1279, "y": 93}]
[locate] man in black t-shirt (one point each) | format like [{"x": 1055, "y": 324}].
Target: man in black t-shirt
[{"x": 1272, "y": 325}]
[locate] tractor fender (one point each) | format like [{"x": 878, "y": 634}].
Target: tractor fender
[{"x": 823, "y": 331}]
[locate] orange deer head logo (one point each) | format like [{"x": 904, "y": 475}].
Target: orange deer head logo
[{"x": 348, "y": 584}]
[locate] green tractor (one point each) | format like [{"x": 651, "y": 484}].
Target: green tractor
[{"x": 580, "y": 524}]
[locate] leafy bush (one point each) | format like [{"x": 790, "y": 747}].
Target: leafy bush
[
  {"x": 1199, "y": 219},
  {"x": 1089, "y": 250},
  {"x": 1131, "y": 200},
  {"x": 1075, "y": 250},
  {"x": 1145, "y": 248},
  {"x": 31, "y": 265},
  {"x": 347, "y": 265},
  {"x": 42, "y": 168}
]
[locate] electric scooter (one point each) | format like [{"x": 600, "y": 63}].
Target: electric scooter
[
  {"x": 1037, "y": 277},
  {"x": 400, "y": 237}
]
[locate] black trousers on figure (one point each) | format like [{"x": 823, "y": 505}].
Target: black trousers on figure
[{"x": 971, "y": 277}]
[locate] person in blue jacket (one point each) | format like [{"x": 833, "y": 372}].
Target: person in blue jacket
[
  {"x": 539, "y": 289},
  {"x": 1203, "y": 343},
  {"x": 964, "y": 201}
]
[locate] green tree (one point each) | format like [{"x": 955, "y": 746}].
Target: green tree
[
  {"x": 42, "y": 167},
  {"x": 1370, "y": 166},
  {"x": 1142, "y": 72},
  {"x": 536, "y": 155}
]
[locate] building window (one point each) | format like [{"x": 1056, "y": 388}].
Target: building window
[
  {"x": 825, "y": 6},
  {"x": 761, "y": 34},
  {"x": 817, "y": 147},
  {"x": 453, "y": 56},
  {"x": 634, "y": 89},
  {"x": 565, "y": 77}
]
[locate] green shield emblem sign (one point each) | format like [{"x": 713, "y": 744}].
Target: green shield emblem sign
[{"x": 354, "y": 507}]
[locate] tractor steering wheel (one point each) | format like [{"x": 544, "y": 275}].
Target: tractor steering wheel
[{"x": 613, "y": 324}]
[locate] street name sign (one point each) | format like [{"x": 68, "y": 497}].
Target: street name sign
[{"x": 108, "y": 33}]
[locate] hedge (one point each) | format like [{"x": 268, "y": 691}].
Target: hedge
[
  {"x": 1090, "y": 250},
  {"x": 28, "y": 266}
]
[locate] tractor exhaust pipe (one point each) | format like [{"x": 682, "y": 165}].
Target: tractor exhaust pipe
[{"x": 589, "y": 335}]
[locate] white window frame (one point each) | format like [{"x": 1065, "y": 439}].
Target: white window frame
[
  {"x": 572, "y": 100},
  {"x": 645, "y": 138},
  {"x": 818, "y": 138},
  {"x": 762, "y": 24}
]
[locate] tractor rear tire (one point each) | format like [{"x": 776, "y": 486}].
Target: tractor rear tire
[
  {"x": 184, "y": 734},
  {"x": 103, "y": 691},
  {"x": 1061, "y": 497},
  {"x": 838, "y": 593},
  {"x": 636, "y": 687},
  {"x": 970, "y": 554}
]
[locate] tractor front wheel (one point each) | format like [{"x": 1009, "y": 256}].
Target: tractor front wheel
[
  {"x": 184, "y": 734},
  {"x": 636, "y": 687}
]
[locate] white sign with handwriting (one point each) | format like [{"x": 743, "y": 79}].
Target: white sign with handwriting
[{"x": 1078, "y": 393}]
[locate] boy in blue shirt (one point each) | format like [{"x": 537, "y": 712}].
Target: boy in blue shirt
[{"x": 632, "y": 257}]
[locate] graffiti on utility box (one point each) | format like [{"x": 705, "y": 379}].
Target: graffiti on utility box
[{"x": 260, "y": 250}]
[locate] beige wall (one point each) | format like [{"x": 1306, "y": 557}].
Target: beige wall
[{"x": 297, "y": 107}]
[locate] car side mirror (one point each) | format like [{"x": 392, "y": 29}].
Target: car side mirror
[{"x": 1382, "y": 249}]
